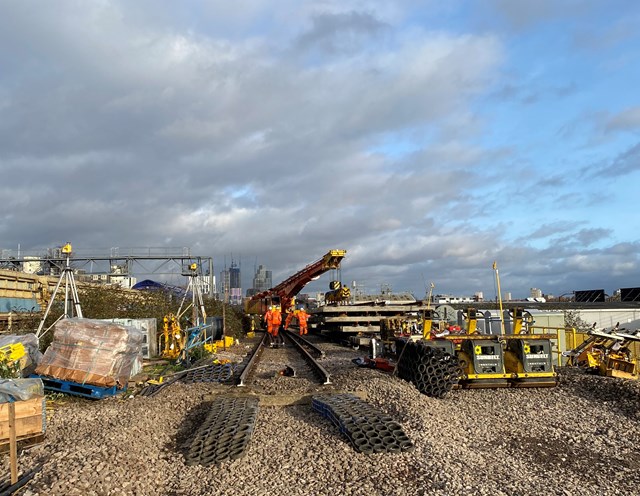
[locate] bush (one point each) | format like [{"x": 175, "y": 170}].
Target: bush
[{"x": 102, "y": 302}]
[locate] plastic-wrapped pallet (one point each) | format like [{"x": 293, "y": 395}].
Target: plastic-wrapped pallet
[{"x": 94, "y": 352}]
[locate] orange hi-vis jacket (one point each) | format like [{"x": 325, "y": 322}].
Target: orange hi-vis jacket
[
  {"x": 301, "y": 317},
  {"x": 274, "y": 319}
]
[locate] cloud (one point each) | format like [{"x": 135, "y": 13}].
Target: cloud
[
  {"x": 614, "y": 35},
  {"x": 340, "y": 33},
  {"x": 547, "y": 230},
  {"x": 522, "y": 14},
  {"x": 626, "y": 120},
  {"x": 625, "y": 163},
  {"x": 278, "y": 132}
]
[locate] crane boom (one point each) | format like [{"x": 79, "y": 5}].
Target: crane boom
[{"x": 291, "y": 286}]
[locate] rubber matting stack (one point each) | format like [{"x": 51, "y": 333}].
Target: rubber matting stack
[
  {"x": 433, "y": 371},
  {"x": 368, "y": 429},
  {"x": 211, "y": 373},
  {"x": 225, "y": 433}
]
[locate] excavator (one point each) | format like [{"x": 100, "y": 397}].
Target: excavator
[{"x": 284, "y": 293}]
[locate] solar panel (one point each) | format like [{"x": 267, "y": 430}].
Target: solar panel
[
  {"x": 589, "y": 296},
  {"x": 630, "y": 294}
]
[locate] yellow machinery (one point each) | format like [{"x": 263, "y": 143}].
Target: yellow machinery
[
  {"x": 514, "y": 359},
  {"x": 481, "y": 357},
  {"x": 427, "y": 316},
  {"x": 176, "y": 342},
  {"x": 528, "y": 357},
  {"x": 174, "y": 339},
  {"x": 503, "y": 360},
  {"x": 339, "y": 293},
  {"x": 606, "y": 353}
]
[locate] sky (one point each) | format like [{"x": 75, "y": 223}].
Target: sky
[{"x": 428, "y": 139}]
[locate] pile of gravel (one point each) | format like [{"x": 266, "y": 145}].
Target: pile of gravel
[{"x": 578, "y": 437}]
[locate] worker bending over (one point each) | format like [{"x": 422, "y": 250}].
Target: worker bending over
[{"x": 302, "y": 318}]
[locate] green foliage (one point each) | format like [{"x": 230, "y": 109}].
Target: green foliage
[
  {"x": 9, "y": 370},
  {"x": 102, "y": 302},
  {"x": 198, "y": 353}
]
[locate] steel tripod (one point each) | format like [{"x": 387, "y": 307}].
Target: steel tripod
[{"x": 70, "y": 289}]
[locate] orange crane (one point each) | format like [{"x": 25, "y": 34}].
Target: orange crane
[{"x": 286, "y": 291}]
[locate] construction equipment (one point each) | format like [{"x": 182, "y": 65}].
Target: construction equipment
[
  {"x": 70, "y": 290},
  {"x": 427, "y": 315},
  {"x": 178, "y": 342},
  {"x": 528, "y": 356},
  {"x": 339, "y": 294},
  {"x": 174, "y": 338},
  {"x": 606, "y": 353},
  {"x": 517, "y": 358},
  {"x": 198, "y": 313},
  {"x": 284, "y": 293}
]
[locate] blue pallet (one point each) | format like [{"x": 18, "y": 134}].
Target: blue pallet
[{"x": 76, "y": 389}]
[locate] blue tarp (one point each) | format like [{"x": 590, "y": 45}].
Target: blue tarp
[{"x": 148, "y": 284}]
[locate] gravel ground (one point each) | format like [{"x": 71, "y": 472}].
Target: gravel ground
[{"x": 576, "y": 438}]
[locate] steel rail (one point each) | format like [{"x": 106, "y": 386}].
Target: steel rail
[
  {"x": 307, "y": 343},
  {"x": 252, "y": 361},
  {"x": 312, "y": 361}
]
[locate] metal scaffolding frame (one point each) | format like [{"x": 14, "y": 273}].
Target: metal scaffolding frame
[{"x": 57, "y": 263}]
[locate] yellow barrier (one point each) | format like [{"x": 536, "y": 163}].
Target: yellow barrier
[{"x": 224, "y": 343}]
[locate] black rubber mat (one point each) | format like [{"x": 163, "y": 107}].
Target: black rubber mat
[
  {"x": 211, "y": 373},
  {"x": 368, "y": 429},
  {"x": 225, "y": 433}
]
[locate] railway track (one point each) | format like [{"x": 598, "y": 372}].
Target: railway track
[{"x": 276, "y": 369}]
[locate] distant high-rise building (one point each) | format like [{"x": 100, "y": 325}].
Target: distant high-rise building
[
  {"x": 230, "y": 282},
  {"x": 224, "y": 283},
  {"x": 536, "y": 293},
  {"x": 262, "y": 279}
]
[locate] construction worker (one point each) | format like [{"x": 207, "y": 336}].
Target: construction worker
[
  {"x": 273, "y": 318},
  {"x": 287, "y": 321},
  {"x": 301, "y": 317},
  {"x": 268, "y": 318},
  {"x": 277, "y": 322}
]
